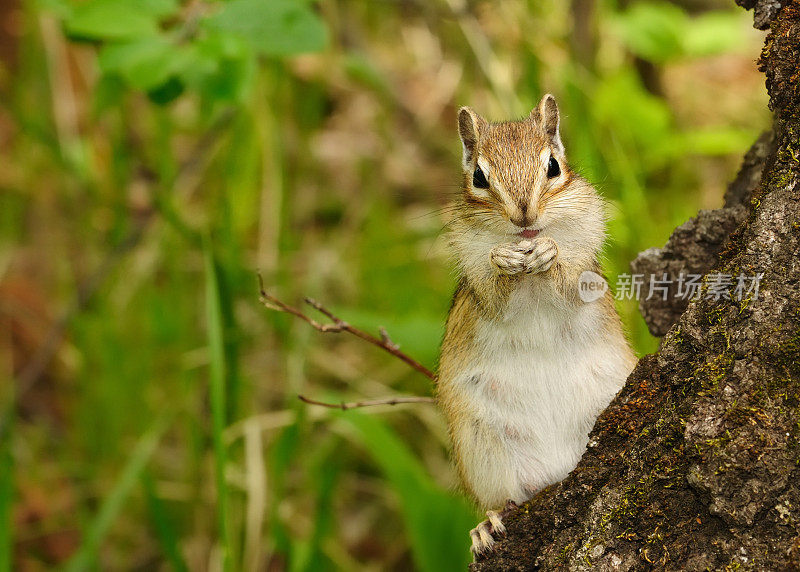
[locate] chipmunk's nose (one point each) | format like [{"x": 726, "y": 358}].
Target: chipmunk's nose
[{"x": 521, "y": 218}]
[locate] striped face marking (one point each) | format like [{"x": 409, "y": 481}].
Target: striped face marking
[
  {"x": 482, "y": 170},
  {"x": 479, "y": 187},
  {"x": 495, "y": 188},
  {"x": 513, "y": 168}
]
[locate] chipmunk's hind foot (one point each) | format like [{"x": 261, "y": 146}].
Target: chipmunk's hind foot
[{"x": 484, "y": 535}]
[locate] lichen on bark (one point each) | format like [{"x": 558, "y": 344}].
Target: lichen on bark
[{"x": 696, "y": 464}]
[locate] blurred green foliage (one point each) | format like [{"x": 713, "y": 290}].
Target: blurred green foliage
[
  {"x": 160, "y": 153},
  {"x": 150, "y": 46}
]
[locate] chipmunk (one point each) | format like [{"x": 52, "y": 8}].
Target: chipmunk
[{"x": 526, "y": 366}]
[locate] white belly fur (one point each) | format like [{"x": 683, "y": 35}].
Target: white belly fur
[{"x": 532, "y": 392}]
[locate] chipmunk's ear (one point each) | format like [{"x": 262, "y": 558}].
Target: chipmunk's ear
[
  {"x": 470, "y": 125},
  {"x": 546, "y": 116}
]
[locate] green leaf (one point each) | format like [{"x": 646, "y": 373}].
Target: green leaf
[
  {"x": 118, "y": 19},
  {"x": 274, "y": 27},
  {"x": 167, "y": 91},
  {"x": 108, "y": 22},
  {"x": 219, "y": 66},
  {"x": 143, "y": 64},
  {"x": 155, "y": 65}
]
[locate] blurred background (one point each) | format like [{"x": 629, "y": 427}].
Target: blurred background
[{"x": 157, "y": 154}]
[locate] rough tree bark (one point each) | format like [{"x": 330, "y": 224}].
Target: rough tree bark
[{"x": 696, "y": 463}]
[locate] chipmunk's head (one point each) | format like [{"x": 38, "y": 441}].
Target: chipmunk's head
[{"x": 516, "y": 178}]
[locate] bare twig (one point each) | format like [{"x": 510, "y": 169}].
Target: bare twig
[
  {"x": 386, "y": 339},
  {"x": 368, "y": 403},
  {"x": 339, "y": 325}
]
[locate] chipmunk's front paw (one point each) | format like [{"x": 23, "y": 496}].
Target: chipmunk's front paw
[
  {"x": 540, "y": 255},
  {"x": 510, "y": 258}
]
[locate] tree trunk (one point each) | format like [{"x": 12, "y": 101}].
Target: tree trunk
[{"x": 696, "y": 464}]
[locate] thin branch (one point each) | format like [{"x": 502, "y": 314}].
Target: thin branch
[
  {"x": 368, "y": 403},
  {"x": 338, "y": 325},
  {"x": 386, "y": 339}
]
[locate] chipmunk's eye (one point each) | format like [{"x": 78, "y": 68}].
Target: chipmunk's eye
[
  {"x": 553, "y": 170},
  {"x": 479, "y": 179}
]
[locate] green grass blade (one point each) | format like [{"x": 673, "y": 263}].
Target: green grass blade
[
  {"x": 282, "y": 453},
  {"x": 437, "y": 522},
  {"x": 113, "y": 503},
  {"x": 164, "y": 527},
  {"x": 6, "y": 491},
  {"x": 313, "y": 558},
  {"x": 216, "y": 348}
]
